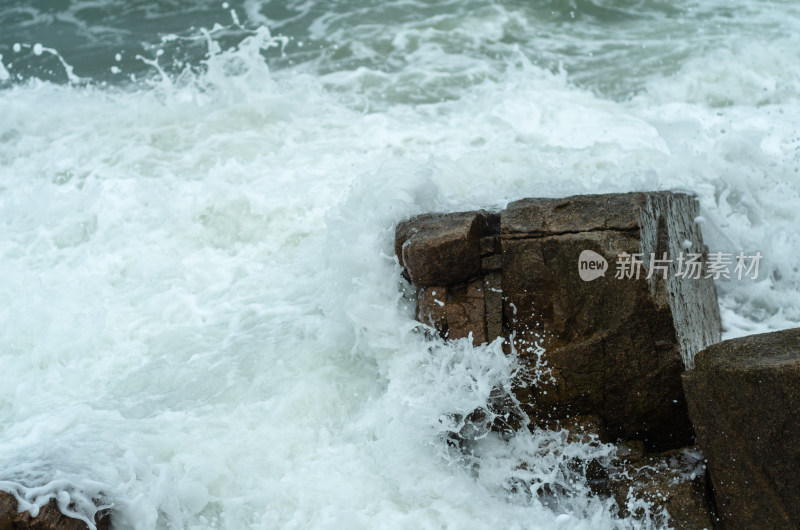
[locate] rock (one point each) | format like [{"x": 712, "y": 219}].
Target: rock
[
  {"x": 663, "y": 489},
  {"x": 443, "y": 249},
  {"x": 454, "y": 311},
  {"x": 49, "y": 517},
  {"x": 614, "y": 347},
  {"x": 581, "y": 213},
  {"x": 493, "y": 296},
  {"x": 466, "y": 312},
  {"x": 498, "y": 416},
  {"x": 581, "y": 428},
  {"x": 629, "y": 451},
  {"x": 673, "y": 481},
  {"x": 431, "y": 308},
  {"x": 585, "y": 429},
  {"x": 744, "y": 400}
]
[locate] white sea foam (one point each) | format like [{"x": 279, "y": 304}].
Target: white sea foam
[{"x": 202, "y": 321}]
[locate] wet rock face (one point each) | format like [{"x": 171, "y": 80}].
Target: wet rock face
[
  {"x": 673, "y": 482},
  {"x": 49, "y": 517},
  {"x": 614, "y": 347},
  {"x": 663, "y": 489},
  {"x": 744, "y": 400},
  {"x": 438, "y": 249}
]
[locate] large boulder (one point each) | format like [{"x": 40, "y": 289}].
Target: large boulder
[
  {"x": 48, "y": 518},
  {"x": 744, "y": 400},
  {"x": 616, "y": 346},
  {"x": 613, "y": 346}
]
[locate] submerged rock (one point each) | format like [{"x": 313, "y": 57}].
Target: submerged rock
[
  {"x": 613, "y": 346},
  {"x": 48, "y": 518},
  {"x": 744, "y": 400}
]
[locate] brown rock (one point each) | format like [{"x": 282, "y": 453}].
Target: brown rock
[
  {"x": 673, "y": 481},
  {"x": 8, "y": 511},
  {"x": 443, "y": 249},
  {"x": 493, "y": 296},
  {"x": 615, "y": 347},
  {"x": 490, "y": 244},
  {"x": 466, "y": 312},
  {"x": 629, "y": 451},
  {"x": 582, "y": 428},
  {"x": 454, "y": 311},
  {"x": 49, "y": 517},
  {"x": 431, "y": 308},
  {"x": 492, "y": 263},
  {"x": 744, "y": 400},
  {"x": 582, "y": 213}
]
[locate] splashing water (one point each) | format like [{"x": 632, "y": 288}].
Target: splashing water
[{"x": 202, "y": 323}]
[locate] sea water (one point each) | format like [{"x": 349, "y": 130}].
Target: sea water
[{"x": 202, "y": 321}]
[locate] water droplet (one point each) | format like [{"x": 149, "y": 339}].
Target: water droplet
[{"x": 37, "y": 49}]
